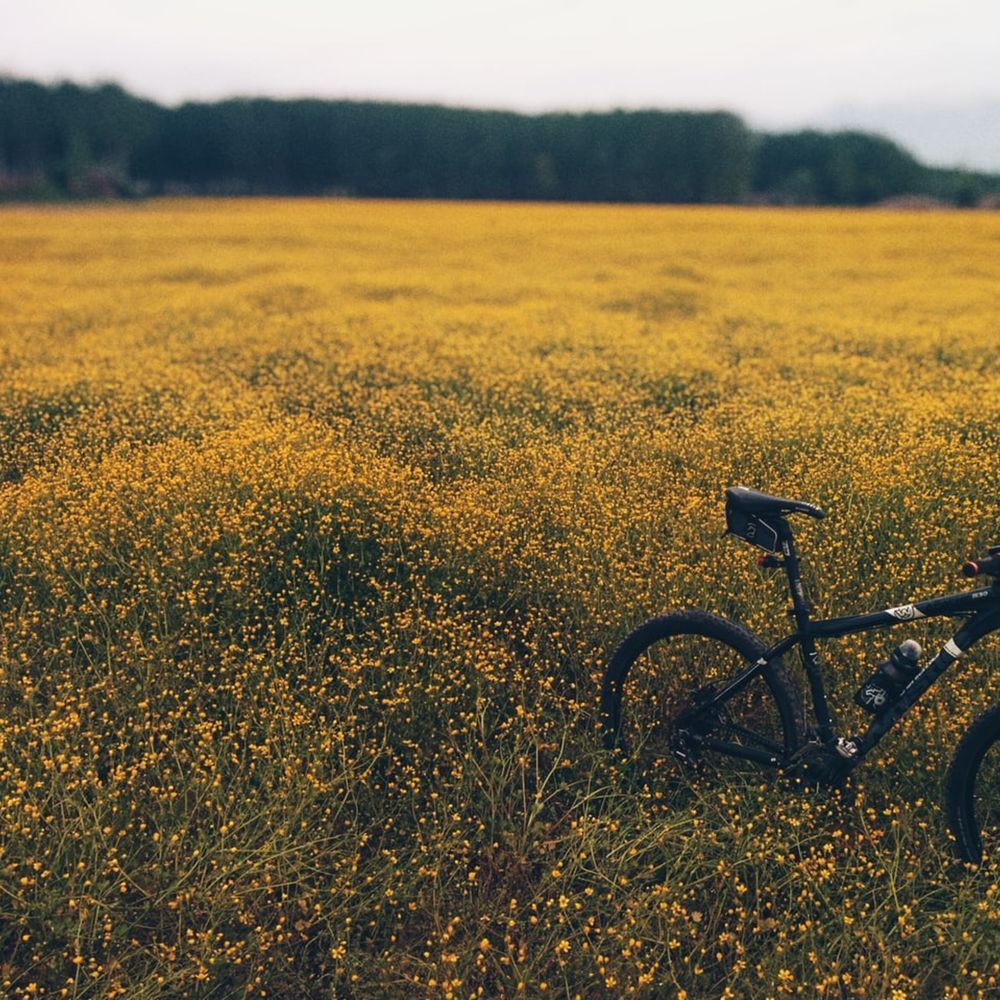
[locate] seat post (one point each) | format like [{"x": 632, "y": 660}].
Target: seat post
[
  {"x": 800, "y": 606},
  {"x": 807, "y": 647}
]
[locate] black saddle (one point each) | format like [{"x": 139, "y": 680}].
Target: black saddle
[{"x": 754, "y": 502}]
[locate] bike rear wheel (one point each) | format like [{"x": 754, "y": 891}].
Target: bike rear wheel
[
  {"x": 660, "y": 673},
  {"x": 973, "y": 791}
]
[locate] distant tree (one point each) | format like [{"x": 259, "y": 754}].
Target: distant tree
[
  {"x": 71, "y": 141},
  {"x": 840, "y": 168}
]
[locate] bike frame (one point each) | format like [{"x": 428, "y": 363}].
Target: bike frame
[{"x": 981, "y": 608}]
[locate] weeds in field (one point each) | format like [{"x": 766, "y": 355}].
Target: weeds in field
[{"x": 318, "y": 520}]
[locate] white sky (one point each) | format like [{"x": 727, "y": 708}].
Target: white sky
[{"x": 776, "y": 61}]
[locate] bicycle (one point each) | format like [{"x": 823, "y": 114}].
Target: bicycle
[{"x": 719, "y": 690}]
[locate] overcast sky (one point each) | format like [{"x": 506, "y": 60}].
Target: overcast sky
[{"x": 776, "y": 61}]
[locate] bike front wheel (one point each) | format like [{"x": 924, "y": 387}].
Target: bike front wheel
[
  {"x": 663, "y": 672},
  {"x": 973, "y": 791}
]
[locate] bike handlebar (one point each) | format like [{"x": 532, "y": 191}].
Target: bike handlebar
[{"x": 990, "y": 565}]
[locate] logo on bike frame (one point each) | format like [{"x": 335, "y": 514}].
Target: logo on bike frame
[{"x": 904, "y": 613}]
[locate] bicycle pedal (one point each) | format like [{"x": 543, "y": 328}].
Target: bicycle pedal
[{"x": 819, "y": 763}]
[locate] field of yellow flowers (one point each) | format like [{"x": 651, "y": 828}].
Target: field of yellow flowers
[{"x": 319, "y": 519}]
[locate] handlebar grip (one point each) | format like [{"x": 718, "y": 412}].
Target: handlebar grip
[{"x": 990, "y": 565}]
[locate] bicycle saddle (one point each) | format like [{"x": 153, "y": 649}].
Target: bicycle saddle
[{"x": 754, "y": 502}]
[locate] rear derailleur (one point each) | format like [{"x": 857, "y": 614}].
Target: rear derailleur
[{"x": 693, "y": 723}]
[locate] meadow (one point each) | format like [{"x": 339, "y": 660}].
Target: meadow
[{"x": 319, "y": 521}]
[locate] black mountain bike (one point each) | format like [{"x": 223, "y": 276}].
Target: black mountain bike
[{"x": 690, "y": 684}]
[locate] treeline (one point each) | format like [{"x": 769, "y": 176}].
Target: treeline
[{"x": 69, "y": 141}]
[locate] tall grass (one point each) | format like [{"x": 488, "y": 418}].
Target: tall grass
[{"x": 319, "y": 520}]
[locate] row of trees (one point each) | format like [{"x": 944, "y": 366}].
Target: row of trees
[{"x": 66, "y": 141}]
